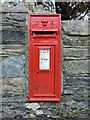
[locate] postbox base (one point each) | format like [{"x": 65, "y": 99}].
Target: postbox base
[{"x": 44, "y": 99}]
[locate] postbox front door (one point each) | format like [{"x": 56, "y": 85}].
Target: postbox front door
[{"x": 44, "y": 71}]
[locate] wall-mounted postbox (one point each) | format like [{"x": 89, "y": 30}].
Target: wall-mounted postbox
[{"x": 44, "y": 57}]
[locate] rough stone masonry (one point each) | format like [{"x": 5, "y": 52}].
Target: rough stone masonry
[{"x": 14, "y": 78}]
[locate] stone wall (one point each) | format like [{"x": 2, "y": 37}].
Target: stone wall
[{"x": 14, "y": 77}]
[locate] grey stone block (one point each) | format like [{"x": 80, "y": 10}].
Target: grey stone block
[
  {"x": 76, "y": 52},
  {"x": 12, "y": 66},
  {"x": 16, "y": 85},
  {"x": 75, "y": 67},
  {"x": 20, "y": 7},
  {"x": 73, "y": 41},
  {"x": 76, "y": 27},
  {"x": 9, "y": 36},
  {"x": 13, "y": 28}
]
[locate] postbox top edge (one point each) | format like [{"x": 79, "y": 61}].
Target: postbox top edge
[{"x": 53, "y": 15}]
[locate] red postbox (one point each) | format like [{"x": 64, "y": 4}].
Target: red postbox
[{"x": 44, "y": 57}]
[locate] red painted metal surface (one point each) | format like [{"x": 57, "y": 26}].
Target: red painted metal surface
[{"x": 44, "y": 57}]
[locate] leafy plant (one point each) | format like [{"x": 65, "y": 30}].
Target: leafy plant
[{"x": 73, "y": 10}]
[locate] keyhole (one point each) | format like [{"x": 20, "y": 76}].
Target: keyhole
[{"x": 37, "y": 72}]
